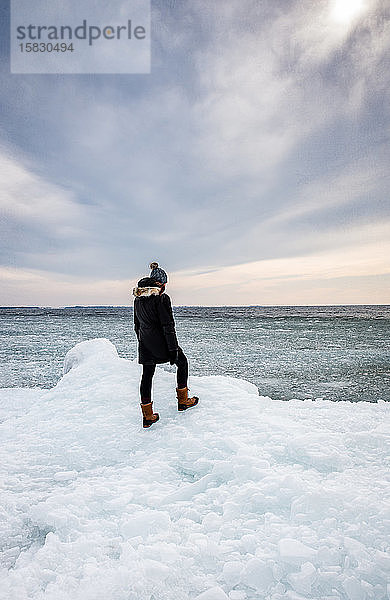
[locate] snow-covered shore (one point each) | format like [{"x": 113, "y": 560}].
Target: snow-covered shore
[{"x": 241, "y": 497}]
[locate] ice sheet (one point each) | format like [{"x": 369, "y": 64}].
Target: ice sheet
[{"x": 242, "y": 496}]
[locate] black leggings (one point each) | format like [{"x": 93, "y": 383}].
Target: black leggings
[{"x": 148, "y": 372}]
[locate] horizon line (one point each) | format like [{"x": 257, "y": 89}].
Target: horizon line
[{"x": 191, "y": 305}]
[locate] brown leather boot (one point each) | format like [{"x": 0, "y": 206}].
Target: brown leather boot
[
  {"x": 149, "y": 417},
  {"x": 183, "y": 401}
]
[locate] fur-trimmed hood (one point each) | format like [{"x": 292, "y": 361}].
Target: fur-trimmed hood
[{"x": 146, "y": 291}]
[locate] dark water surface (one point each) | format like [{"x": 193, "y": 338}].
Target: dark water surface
[{"x": 330, "y": 352}]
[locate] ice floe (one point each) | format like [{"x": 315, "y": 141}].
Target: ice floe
[{"x": 241, "y": 497}]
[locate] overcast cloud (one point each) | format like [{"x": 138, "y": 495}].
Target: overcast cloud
[{"x": 252, "y": 163}]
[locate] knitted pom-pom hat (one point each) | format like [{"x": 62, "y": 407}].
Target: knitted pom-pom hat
[{"x": 158, "y": 274}]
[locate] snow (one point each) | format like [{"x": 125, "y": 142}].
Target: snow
[{"x": 241, "y": 497}]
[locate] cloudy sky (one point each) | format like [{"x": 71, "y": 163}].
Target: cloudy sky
[{"x": 252, "y": 163}]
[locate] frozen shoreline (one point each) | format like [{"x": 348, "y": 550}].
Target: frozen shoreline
[{"x": 243, "y": 496}]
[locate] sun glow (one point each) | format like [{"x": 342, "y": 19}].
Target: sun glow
[{"x": 344, "y": 11}]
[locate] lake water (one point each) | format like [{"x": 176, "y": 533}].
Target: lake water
[{"x": 335, "y": 353}]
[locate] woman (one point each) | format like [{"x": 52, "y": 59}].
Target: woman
[{"x": 157, "y": 343}]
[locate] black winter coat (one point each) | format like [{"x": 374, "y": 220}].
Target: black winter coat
[{"x": 155, "y": 329}]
